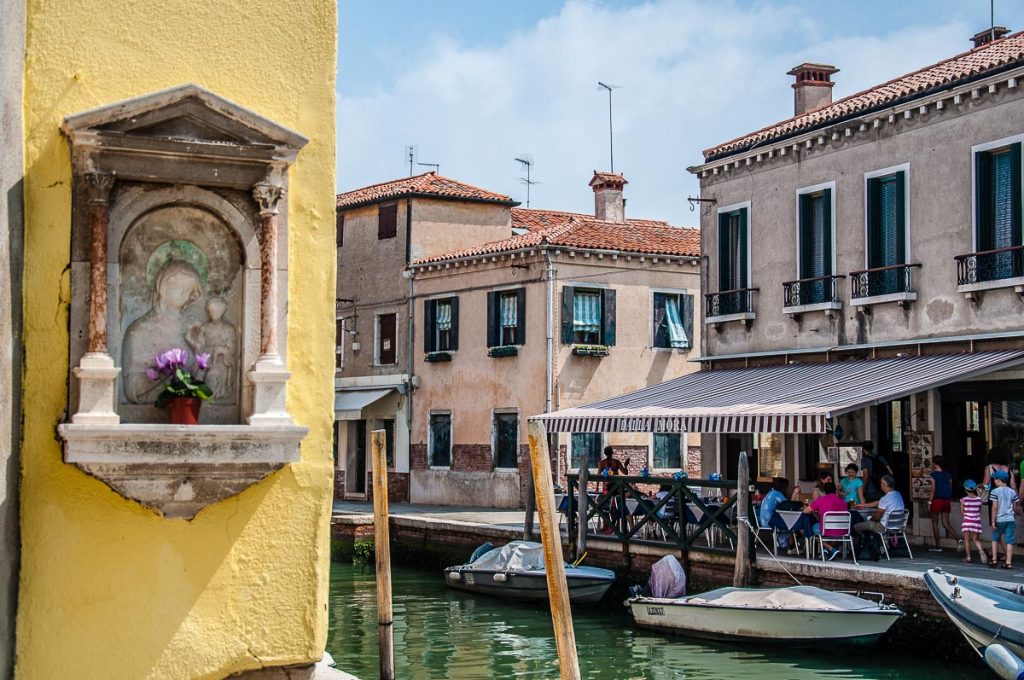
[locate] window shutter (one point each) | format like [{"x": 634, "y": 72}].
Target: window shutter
[
  {"x": 492, "y": 320},
  {"x": 874, "y": 223},
  {"x": 743, "y": 280},
  {"x": 1017, "y": 189},
  {"x": 429, "y": 316},
  {"x": 339, "y": 228},
  {"x": 568, "y": 293},
  {"x": 387, "y": 221},
  {"x": 686, "y": 304},
  {"x": 901, "y": 218},
  {"x": 454, "y": 344},
  {"x": 983, "y": 200},
  {"x": 521, "y": 316},
  {"x": 806, "y": 237},
  {"x": 608, "y": 316},
  {"x": 660, "y": 330},
  {"x": 826, "y": 234},
  {"x": 724, "y": 248}
]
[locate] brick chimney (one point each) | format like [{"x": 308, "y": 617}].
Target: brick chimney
[
  {"x": 608, "y": 202},
  {"x": 989, "y": 35},
  {"x": 813, "y": 87}
]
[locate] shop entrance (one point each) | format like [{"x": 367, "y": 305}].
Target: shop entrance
[{"x": 977, "y": 416}]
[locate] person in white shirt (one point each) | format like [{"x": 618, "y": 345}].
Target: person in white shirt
[{"x": 890, "y": 501}]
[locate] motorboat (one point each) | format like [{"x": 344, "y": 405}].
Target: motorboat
[
  {"x": 984, "y": 613},
  {"x": 798, "y": 616},
  {"x": 516, "y": 571}
]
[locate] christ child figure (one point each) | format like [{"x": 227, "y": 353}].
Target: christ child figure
[{"x": 216, "y": 337}]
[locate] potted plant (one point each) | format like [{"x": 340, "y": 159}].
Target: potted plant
[{"x": 183, "y": 390}]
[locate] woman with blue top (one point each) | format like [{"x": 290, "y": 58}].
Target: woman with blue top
[{"x": 853, "y": 486}]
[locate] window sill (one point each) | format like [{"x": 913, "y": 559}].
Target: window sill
[
  {"x": 970, "y": 290},
  {"x": 590, "y": 350},
  {"x": 437, "y": 357},
  {"x": 503, "y": 351},
  {"x": 178, "y": 470},
  {"x": 902, "y": 298},
  {"x": 745, "y": 317},
  {"x": 440, "y": 468},
  {"x": 827, "y": 307},
  {"x": 681, "y": 350}
]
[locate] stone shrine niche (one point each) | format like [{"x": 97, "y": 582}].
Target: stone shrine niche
[{"x": 179, "y": 240}]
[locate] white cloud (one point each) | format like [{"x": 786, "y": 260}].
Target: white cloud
[{"x": 693, "y": 74}]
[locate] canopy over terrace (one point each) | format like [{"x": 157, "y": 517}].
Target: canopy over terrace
[{"x": 795, "y": 398}]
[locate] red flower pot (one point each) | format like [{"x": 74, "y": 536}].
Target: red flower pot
[{"x": 184, "y": 410}]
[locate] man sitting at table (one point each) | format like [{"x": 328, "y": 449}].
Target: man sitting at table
[
  {"x": 771, "y": 503},
  {"x": 891, "y": 500}
]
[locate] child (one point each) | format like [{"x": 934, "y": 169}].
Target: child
[
  {"x": 940, "y": 500},
  {"x": 853, "y": 486},
  {"x": 1004, "y": 506},
  {"x": 970, "y": 524}
]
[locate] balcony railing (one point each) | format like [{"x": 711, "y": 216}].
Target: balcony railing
[
  {"x": 990, "y": 265},
  {"x": 889, "y": 280},
  {"x": 811, "y": 291},
  {"x": 726, "y": 302}
]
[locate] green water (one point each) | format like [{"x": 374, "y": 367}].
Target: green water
[{"x": 441, "y": 633}]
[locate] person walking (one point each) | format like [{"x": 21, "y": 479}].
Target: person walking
[
  {"x": 1004, "y": 508},
  {"x": 940, "y": 502},
  {"x": 970, "y": 522}
]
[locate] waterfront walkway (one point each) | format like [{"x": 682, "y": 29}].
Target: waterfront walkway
[{"x": 491, "y": 522}]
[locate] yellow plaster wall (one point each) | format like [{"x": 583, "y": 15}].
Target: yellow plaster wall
[{"x": 108, "y": 589}]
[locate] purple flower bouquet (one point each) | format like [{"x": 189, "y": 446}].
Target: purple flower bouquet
[{"x": 179, "y": 374}]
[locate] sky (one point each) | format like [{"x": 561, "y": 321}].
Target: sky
[{"x": 473, "y": 84}]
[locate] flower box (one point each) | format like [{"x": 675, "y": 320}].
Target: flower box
[
  {"x": 434, "y": 357},
  {"x": 503, "y": 351},
  {"x": 590, "y": 350}
]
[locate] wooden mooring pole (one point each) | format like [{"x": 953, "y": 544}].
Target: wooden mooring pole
[
  {"x": 741, "y": 574},
  {"x": 531, "y": 507},
  {"x": 582, "y": 501},
  {"x": 558, "y": 589},
  {"x": 382, "y": 551}
]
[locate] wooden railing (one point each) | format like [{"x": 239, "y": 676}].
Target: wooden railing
[
  {"x": 722, "y": 303},
  {"x": 811, "y": 291},
  {"x": 894, "y": 278},
  {"x": 990, "y": 265},
  {"x": 666, "y": 521}
]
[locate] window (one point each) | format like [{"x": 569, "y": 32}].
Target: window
[
  {"x": 506, "y": 317},
  {"x": 387, "y": 221},
  {"x": 387, "y": 334},
  {"x": 588, "y": 316},
  {"x": 887, "y": 231},
  {"x": 440, "y": 447},
  {"x": 814, "y": 239},
  {"x": 585, "y": 443},
  {"x": 997, "y": 204},
  {"x": 673, "y": 320},
  {"x": 441, "y": 325},
  {"x": 339, "y": 229},
  {"x": 733, "y": 267},
  {"x": 668, "y": 449},
  {"x": 339, "y": 344},
  {"x": 506, "y": 439}
]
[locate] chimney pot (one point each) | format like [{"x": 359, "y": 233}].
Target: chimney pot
[
  {"x": 812, "y": 88},
  {"x": 989, "y": 35},
  {"x": 609, "y": 205}
]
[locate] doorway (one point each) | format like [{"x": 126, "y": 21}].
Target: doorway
[{"x": 355, "y": 480}]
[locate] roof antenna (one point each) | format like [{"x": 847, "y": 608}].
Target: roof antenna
[
  {"x": 611, "y": 146},
  {"x": 435, "y": 166},
  {"x": 411, "y": 152},
  {"x": 527, "y": 160},
  {"x": 992, "y": 20}
]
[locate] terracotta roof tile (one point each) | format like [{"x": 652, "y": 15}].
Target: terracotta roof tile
[
  {"x": 427, "y": 184},
  {"x": 1003, "y": 52},
  {"x": 575, "y": 230}
]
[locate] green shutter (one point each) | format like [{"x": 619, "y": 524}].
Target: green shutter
[
  {"x": 874, "y": 208},
  {"x": 806, "y": 228},
  {"x": 568, "y": 293},
  {"x": 492, "y": 320},
  {"x": 724, "y": 248},
  {"x": 608, "y": 316},
  {"x": 454, "y": 343},
  {"x": 744, "y": 274},
  {"x": 660, "y": 327},
  {"x": 983, "y": 213},
  {"x": 901, "y": 218},
  {"x": 521, "y": 316},
  {"x": 826, "y": 237},
  {"x": 429, "y": 317},
  {"x": 1015, "y": 182}
]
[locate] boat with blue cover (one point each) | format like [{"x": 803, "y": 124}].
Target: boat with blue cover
[{"x": 984, "y": 613}]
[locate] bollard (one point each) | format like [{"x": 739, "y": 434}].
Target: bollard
[{"x": 382, "y": 551}]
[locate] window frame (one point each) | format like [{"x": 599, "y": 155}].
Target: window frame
[
  {"x": 652, "y": 338},
  {"x": 377, "y": 339},
  {"x": 683, "y": 453},
  {"x": 514, "y": 411},
  {"x": 430, "y": 438},
  {"x": 975, "y": 150},
  {"x": 494, "y": 329},
  {"x": 593, "y": 464},
  {"x": 814, "y": 189},
  {"x": 382, "y": 234},
  {"x": 884, "y": 172},
  {"x": 743, "y": 205},
  {"x": 431, "y": 334}
]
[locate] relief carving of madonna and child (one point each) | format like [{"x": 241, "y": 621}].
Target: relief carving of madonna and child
[{"x": 180, "y": 294}]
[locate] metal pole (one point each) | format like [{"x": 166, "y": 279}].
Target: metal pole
[
  {"x": 581, "y": 507},
  {"x": 558, "y": 589},
  {"x": 611, "y": 142},
  {"x": 382, "y": 551},
  {"x": 741, "y": 573}
]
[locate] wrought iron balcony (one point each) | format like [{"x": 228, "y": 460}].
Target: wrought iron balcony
[
  {"x": 891, "y": 280},
  {"x": 727, "y": 302},
  {"x": 815, "y": 290},
  {"x": 990, "y": 265}
]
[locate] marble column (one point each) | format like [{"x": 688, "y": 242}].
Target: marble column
[{"x": 96, "y": 372}]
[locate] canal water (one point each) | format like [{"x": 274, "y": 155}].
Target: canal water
[{"x": 441, "y": 633}]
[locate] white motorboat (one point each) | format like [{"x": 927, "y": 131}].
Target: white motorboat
[
  {"x": 984, "y": 613},
  {"x": 516, "y": 571},
  {"x": 799, "y": 616}
]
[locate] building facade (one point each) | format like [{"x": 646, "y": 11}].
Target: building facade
[
  {"x": 563, "y": 309},
  {"x": 885, "y": 224}
]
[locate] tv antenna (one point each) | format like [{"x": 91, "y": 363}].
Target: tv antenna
[
  {"x": 527, "y": 161},
  {"x": 611, "y": 145},
  {"x": 435, "y": 166},
  {"x": 411, "y": 152}
]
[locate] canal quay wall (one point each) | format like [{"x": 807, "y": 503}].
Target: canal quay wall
[{"x": 436, "y": 542}]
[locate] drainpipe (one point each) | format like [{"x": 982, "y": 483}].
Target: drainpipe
[
  {"x": 550, "y": 339},
  {"x": 410, "y": 343}
]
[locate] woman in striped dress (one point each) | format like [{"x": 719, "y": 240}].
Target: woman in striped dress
[{"x": 970, "y": 524}]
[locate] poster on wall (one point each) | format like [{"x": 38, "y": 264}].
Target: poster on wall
[{"x": 922, "y": 450}]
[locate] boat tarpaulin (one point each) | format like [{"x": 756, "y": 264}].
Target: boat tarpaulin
[
  {"x": 514, "y": 556},
  {"x": 806, "y": 598},
  {"x": 792, "y": 398}
]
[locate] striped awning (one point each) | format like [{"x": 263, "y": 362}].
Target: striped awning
[{"x": 793, "y": 398}]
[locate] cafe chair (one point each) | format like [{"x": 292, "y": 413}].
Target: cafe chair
[
  {"x": 896, "y": 526},
  {"x": 836, "y": 521}
]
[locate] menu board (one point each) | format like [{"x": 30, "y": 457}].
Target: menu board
[{"x": 922, "y": 450}]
